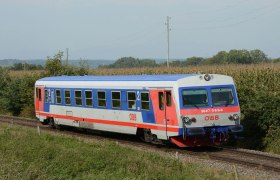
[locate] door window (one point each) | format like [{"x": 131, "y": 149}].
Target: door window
[
  {"x": 168, "y": 98},
  {"x": 161, "y": 100}
]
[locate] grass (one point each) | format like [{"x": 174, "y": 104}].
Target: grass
[{"x": 26, "y": 155}]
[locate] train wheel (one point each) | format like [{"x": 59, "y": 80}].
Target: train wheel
[
  {"x": 53, "y": 125},
  {"x": 147, "y": 136}
]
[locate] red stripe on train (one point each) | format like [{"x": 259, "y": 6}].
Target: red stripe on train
[
  {"x": 214, "y": 110},
  {"x": 99, "y": 121}
]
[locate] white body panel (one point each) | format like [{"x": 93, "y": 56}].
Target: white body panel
[{"x": 122, "y": 116}]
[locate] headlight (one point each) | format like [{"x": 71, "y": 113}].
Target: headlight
[
  {"x": 185, "y": 119},
  {"x": 207, "y": 77},
  {"x": 188, "y": 120},
  {"x": 235, "y": 117}
]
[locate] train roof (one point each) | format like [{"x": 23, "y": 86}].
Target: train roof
[
  {"x": 161, "y": 77},
  {"x": 135, "y": 81}
]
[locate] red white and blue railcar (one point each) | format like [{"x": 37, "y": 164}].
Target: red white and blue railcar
[{"x": 186, "y": 109}]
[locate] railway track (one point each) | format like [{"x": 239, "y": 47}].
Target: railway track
[{"x": 229, "y": 155}]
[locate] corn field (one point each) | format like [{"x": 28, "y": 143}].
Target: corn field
[
  {"x": 261, "y": 77},
  {"x": 258, "y": 88}
]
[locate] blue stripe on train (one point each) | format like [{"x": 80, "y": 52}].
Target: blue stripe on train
[{"x": 147, "y": 115}]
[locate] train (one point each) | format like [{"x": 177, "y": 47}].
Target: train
[{"x": 187, "y": 110}]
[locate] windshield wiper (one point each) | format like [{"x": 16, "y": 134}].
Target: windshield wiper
[{"x": 192, "y": 103}]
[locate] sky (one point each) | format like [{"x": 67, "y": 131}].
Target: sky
[{"x": 111, "y": 29}]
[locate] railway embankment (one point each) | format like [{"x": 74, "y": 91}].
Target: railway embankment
[
  {"x": 30, "y": 147},
  {"x": 26, "y": 155}
]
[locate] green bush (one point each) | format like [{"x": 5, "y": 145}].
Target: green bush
[{"x": 272, "y": 140}]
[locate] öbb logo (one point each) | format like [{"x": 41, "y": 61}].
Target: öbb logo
[
  {"x": 132, "y": 117},
  {"x": 212, "y": 118}
]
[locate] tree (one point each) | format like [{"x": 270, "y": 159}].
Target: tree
[
  {"x": 55, "y": 67},
  {"x": 4, "y": 81},
  {"x": 193, "y": 61},
  {"x": 239, "y": 57},
  {"x": 235, "y": 56},
  {"x": 219, "y": 58},
  {"x": 258, "y": 56},
  {"x": 54, "y": 64},
  {"x": 130, "y": 62},
  {"x": 277, "y": 60}
]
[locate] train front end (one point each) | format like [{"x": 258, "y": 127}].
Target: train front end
[{"x": 209, "y": 111}]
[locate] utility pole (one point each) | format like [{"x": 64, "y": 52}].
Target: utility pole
[
  {"x": 66, "y": 56},
  {"x": 168, "y": 30}
]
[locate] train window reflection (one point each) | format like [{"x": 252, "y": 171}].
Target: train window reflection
[
  {"x": 145, "y": 101},
  {"x": 195, "y": 98},
  {"x": 116, "y": 99},
  {"x": 58, "y": 96},
  {"x": 67, "y": 97},
  {"x": 222, "y": 96},
  {"x": 88, "y": 97},
  {"x": 101, "y": 95},
  {"x": 131, "y": 100},
  {"x": 78, "y": 98}
]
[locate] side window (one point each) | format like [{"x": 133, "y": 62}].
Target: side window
[
  {"x": 131, "y": 100},
  {"x": 52, "y": 96},
  {"x": 67, "y": 97},
  {"x": 88, "y": 97},
  {"x": 46, "y": 96},
  {"x": 58, "y": 96},
  {"x": 101, "y": 95},
  {"x": 168, "y": 98},
  {"x": 145, "y": 101},
  {"x": 78, "y": 98},
  {"x": 40, "y": 94},
  {"x": 116, "y": 99},
  {"x": 37, "y": 92},
  {"x": 161, "y": 100}
]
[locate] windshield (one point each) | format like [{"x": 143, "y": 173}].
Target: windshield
[
  {"x": 222, "y": 96},
  {"x": 195, "y": 98}
]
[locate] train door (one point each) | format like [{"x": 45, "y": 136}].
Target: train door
[
  {"x": 166, "y": 108},
  {"x": 39, "y": 101}
]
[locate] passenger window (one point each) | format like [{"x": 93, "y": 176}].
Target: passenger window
[
  {"x": 58, "y": 96},
  {"x": 67, "y": 96},
  {"x": 116, "y": 99},
  {"x": 88, "y": 95},
  {"x": 46, "y": 96},
  {"x": 131, "y": 100},
  {"x": 78, "y": 98},
  {"x": 168, "y": 98},
  {"x": 145, "y": 101},
  {"x": 101, "y": 95},
  {"x": 161, "y": 100}
]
